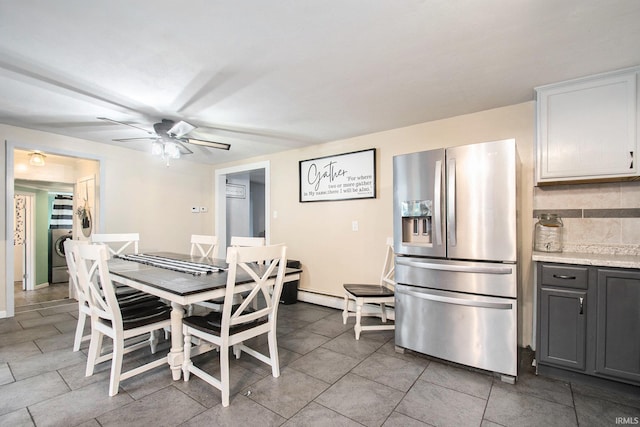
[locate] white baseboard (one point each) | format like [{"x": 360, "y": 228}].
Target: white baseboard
[
  {"x": 321, "y": 299},
  {"x": 337, "y": 302},
  {"x": 3, "y": 314}
]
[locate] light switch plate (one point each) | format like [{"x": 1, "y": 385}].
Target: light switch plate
[
  {"x": 203, "y": 209},
  {"x": 354, "y": 225}
]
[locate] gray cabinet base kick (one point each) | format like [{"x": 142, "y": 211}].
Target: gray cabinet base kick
[{"x": 589, "y": 323}]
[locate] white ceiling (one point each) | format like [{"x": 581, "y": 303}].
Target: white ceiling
[{"x": 267, "y": 76}]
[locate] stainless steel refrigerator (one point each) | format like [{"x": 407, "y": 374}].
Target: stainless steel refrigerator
[{"x": 456, "y": 245}]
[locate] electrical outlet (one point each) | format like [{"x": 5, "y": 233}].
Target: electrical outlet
[
  {"x": 354, "y": 225},
  {"x": 195, "y": 209}
]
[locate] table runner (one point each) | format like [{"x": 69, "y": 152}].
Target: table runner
[{"x": 193, "y": 268}]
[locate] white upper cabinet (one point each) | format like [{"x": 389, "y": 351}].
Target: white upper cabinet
[{"x": 587, "y": 129}]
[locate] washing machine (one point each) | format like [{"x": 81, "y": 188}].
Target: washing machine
[{"x": 57, "y": 260}]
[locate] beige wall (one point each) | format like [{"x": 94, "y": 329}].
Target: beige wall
[
  {"x": 140, "y": 194},
  {"x": 319, "y": 234}
]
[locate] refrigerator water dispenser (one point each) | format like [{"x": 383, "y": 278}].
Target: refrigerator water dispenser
[{"x": 416, "y": 222}]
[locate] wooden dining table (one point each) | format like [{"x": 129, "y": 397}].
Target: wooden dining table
[{"x": 182, "y": 289}]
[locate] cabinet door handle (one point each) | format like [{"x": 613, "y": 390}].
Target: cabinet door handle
[
  {"x": 581, "y": 305},
  {"x": 631, "y": 164},
  {"x": 562, "y": 276}
]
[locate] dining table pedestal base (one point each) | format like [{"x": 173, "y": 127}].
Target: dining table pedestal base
[{"x": 176, "y": 355}]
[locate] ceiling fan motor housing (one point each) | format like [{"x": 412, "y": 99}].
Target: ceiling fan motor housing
[{"x": 163, "y": 127}]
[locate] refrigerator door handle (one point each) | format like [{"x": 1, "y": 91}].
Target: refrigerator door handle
[
  {"x": 451, "y": 201},
  {"x": 437, "y": 199},
  {"x": 458, "y": 268},
  {"x": 456, "y": 301}
]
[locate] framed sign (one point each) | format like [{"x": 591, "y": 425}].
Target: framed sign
[{"x": 341, "y": 177}]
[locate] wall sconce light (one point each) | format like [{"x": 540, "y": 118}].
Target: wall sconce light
[{"x": 36, "y": 159}]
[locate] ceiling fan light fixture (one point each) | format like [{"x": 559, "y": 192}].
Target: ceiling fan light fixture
[
  {"x": 36, "y": 158},
  {"x": 156, "y": 148},
  {"x": 211, "y": 144},
  {"x": 171, "y": 150}
]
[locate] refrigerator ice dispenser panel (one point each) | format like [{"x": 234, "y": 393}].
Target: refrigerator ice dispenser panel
[{"x": 416, "y": 222}]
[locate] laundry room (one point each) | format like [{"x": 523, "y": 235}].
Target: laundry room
[{"x": 46, "y": 199}]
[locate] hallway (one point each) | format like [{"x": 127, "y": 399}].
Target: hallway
[{"x": 39, "y": 298}]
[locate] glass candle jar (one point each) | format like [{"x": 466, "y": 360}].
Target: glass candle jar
[{"x": 548, "y": 233}]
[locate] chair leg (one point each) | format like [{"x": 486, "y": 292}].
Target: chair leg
[
  {"x": 116, "y": 366},
  {"x": 224, "y": 374},
  {"x": 153, "y": 341},
  {"x": 187, "y": 356},
  {"x": 358, "y": 328},
  {"x": 237, "y": 351},
  {"x": 345, "y": 312},
  {"x": 383, "y": 309},
  {"x": 273, "y": 354},
  {"x": 82, "y": 317},
  {"x": 95, "y": 345}
]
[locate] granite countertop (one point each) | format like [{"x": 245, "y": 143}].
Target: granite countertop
[{"x": 596, "y": 259}]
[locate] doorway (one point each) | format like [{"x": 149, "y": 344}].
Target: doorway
[
  {"x": 24, "y": 241},
  {"x": 242, "y": 203},
  {"x": 56, "y": 177},
  {"x": 39, "y": 255}
]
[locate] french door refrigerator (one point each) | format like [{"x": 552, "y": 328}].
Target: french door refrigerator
[{"x": 456, "y": 245}]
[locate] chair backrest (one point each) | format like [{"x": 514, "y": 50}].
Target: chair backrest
[
  {"x": 70, "y": 256},
  {"x": 93, "y": 275},
  {"x": 118, "y": 243},
  {"x": 246, "y": 242},
  {"x": 388, "y": 269},
  {"x": 238, "y": 241},
  {"x": 243, "y": 263},
  {"x": 205, "y": 245}
]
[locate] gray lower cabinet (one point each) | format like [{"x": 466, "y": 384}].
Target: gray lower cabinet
[
  {"x": 563, "y": 327},
  {"x": 618, "y": 324},
  {"x": 589, "y": 321}
]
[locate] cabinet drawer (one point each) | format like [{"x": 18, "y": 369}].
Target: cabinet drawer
[{"x": 565, "y": 276}]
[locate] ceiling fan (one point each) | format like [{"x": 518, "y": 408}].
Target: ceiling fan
[{"x": 170, "y": 138}]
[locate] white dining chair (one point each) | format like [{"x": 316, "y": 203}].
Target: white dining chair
[
  {"x": 109, "y": 319},
  {"x": 241, "y": 241},
  {"x": 204, "y": 245},
  {"x": 380, "y": 294},
  {"x": 83, "y": 305},
  {"x": 236, "y": 242},
  {"x": 248, "y": 242},
  {"x": 231, "y": 327},
  {"x": 118, "y": 243},
  {"x": 128, "y": 299}
]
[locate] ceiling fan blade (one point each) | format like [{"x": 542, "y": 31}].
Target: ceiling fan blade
[
  {"x": 183, "y": 148},
  {"x": 148, "y": 138},
  {"x": 180, "y": 129},
  {"x": 210, "y": 144},
  {"x": 123, "y": 123}
]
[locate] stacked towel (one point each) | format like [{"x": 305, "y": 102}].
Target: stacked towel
[{"x": 62, "y": 212}]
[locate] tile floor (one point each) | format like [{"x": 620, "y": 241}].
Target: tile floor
[
  {"x": 328, "y": 379},
  {"x": 53, "y": 292}
]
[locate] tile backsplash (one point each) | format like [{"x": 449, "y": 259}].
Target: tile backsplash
[{"x": 598, "y": 218}]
